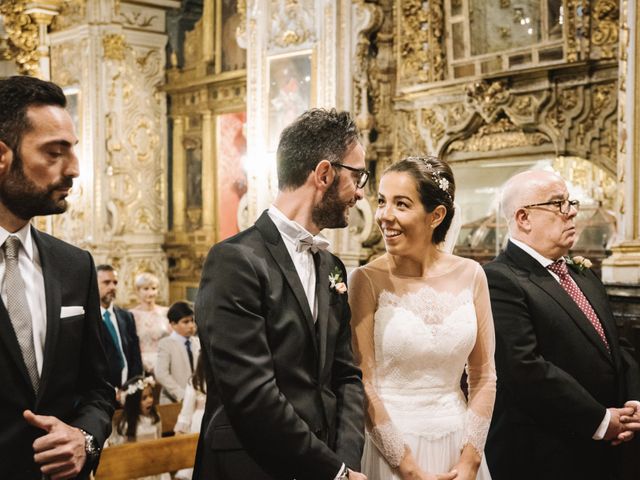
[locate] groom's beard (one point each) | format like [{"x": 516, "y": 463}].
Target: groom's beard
[
  {"x": 331, "y": 212},
  {"x": 22, "y": 197}
]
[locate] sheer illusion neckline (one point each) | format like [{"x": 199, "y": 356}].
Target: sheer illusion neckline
[{"x": 457, "y": 264}]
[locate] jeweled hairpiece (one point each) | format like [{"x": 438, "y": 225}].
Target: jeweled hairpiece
[{"x": 436, "y": 176}]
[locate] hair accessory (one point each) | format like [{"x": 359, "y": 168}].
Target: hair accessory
[
  {"x": 138, "y": 386},
  {"x": 436, "y": 176}
]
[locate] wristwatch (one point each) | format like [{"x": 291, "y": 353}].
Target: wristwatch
[{"x": 91, "y": 448}]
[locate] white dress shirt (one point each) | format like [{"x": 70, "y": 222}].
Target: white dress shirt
[
  {"x": 114, "y": 320},
  {"x": 31, "y": 271},
  {"x": 545, "y": 262},
  {"x": 303, "y": 261}
]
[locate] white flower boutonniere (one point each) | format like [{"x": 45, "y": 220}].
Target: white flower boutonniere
[
  {"x": 579, "y": 263},
  {"x": 335, "y": 281}
]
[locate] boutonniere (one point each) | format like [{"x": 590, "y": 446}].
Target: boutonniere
[
  {"x": 335, "y": 281},
  {"x": 578, "y": 263}
]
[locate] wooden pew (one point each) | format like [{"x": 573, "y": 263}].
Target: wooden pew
[
  {"x": 150, "y": 457},
  {"x": 168, "y": 414}
]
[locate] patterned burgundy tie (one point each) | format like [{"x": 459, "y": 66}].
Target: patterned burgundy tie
[{"x": 559, "y": 267}]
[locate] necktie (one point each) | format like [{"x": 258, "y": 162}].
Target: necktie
[
  {"x": 559, "y": 267},
  {"x": 18, "y": 308},
  {"x": 106, "y": 317},
  {"x": 310, "y": 242},
  {"x": 187, "y": 344}
]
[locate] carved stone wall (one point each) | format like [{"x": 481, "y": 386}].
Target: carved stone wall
[{"x": 109, "y": 56}]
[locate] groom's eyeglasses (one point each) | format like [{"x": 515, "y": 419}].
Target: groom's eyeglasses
[
  {"x": 363, "y": 174},
  {"x": 563, "y": 206}
]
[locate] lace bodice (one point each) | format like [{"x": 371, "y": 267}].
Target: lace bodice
[{"x": 413, "y": 338}]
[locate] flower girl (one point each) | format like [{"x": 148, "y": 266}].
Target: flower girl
[{"x": 140, "y": 419}]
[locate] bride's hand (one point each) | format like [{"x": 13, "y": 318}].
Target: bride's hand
[
  {"x": 468, "y": 465},
  {"x": 410, "y": 470}
]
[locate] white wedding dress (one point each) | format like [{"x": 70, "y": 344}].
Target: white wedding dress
[{"x": 413, "y": 337}]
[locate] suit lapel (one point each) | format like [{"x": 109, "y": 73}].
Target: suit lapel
[
  {"x": 278, "y": 250},
  {"x": 53, "y": 299},
  {"x": 543, "y": 279},
  {"x": 8, "y": 336},
  {"x": 322, "y": 300}
]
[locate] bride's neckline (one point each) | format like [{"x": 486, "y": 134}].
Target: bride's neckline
[{"x": 454, "y": 265}]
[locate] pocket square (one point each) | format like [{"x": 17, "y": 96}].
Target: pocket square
[{"x": 71, "y": 311}]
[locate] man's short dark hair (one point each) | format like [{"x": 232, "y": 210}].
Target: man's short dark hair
[
  {"x": 316, "y": 135},
  {"x": 179, "y": 310},
  {"x": 17, "y": 94},
  {"x": 105, "y": 267}
]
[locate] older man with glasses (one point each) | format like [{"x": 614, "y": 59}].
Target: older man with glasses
[{"x": 567, "y": 385}]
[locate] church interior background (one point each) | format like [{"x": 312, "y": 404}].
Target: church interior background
[{"x": 179, "y": 104}]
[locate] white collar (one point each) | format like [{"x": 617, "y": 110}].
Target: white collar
[
  {"x": 541, "y": 259},
  {"x": 290, "y": 229},
  {"x": 26, "y": 239}
]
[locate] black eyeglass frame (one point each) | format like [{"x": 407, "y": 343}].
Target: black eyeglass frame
[
  {"x": 364, "y": 173},
  {"x": 559, "y": 204}
]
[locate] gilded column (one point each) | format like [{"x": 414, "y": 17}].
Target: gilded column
[
  {"x": 179, "y": 172},
  {"x": 208, "y": 173},
  {"x": 208, "y": 30},
  {"x": 623, "y": 267}
]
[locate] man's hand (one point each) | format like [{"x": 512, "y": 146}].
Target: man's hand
[
  {"x": 632, "y": 422},
  {"x": 60, "y": 452},
  {"x": 616, "y": 427},
  {"x": 356, "y": 475}
]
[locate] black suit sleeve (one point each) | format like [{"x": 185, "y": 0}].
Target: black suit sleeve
[
  {"x": 134, "y": 357},
  {"x": 347, "y": 385},
  {"x": 232, "y": 325},
  {"x": 96, "y": 398},
  {"x": 546, "y": 392}
]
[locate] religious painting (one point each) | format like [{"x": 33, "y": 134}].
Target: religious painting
[
  {"x": 233, "y": 56},
  {"x": 290, "y": 91},
  {"x": 232, "y": 177}
]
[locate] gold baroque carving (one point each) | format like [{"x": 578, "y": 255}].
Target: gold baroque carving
[
  {"x": 409, "y": 139},
  {"x": 114, "y": 46},
  {"x": 421, "y": 27},
  {"x": 487, "y": 98},
  {"x": 499, "y": 136},
  {"x": 72, "y": 12},
  {"x": 291, "y": 22},
  {"x": 571, "y": 30},
  {"x": 433, "y": 125},
  {"x": 22, "y": 36},
  {"x": 604, "y": 34}
]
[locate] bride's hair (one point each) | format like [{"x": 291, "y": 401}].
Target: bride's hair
[{"x": 435, "y": 184}]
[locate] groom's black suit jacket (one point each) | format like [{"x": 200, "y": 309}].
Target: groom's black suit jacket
[
  {"x": 555, "y": 376},
  {"x": 73, "y": 385},
  {"x": 280, "y": 389}
]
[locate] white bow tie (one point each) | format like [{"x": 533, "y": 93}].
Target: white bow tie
[{"x": 309, "y": 242}]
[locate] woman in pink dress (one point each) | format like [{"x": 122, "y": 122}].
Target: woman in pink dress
[{"x": 151, "y": 319}]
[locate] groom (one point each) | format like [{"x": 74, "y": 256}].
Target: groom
[{"x": 285, "y": 399}]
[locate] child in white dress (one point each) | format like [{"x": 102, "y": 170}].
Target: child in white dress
[
  {"x": 190, "y": 418},
  {"x": 140, "y": 419}
]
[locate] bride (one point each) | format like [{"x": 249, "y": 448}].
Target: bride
[{"x": 419, "y": 316}]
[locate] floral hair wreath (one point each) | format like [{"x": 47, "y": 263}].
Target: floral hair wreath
[
  {"x": 436, "y": 176},
  {"x": 137, "y": 387}
]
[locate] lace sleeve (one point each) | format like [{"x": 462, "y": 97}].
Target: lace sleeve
[
  {"x": 481, "y": 369},
  {"x": 385, "y": 436}
]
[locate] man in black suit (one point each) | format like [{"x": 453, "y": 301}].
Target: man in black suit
[
  {"x": 274, "y": 323},
  {"x": 567, "y": 384},
  {"x": 55, "y": 402},
  {"x": 118, "y": 328}
]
